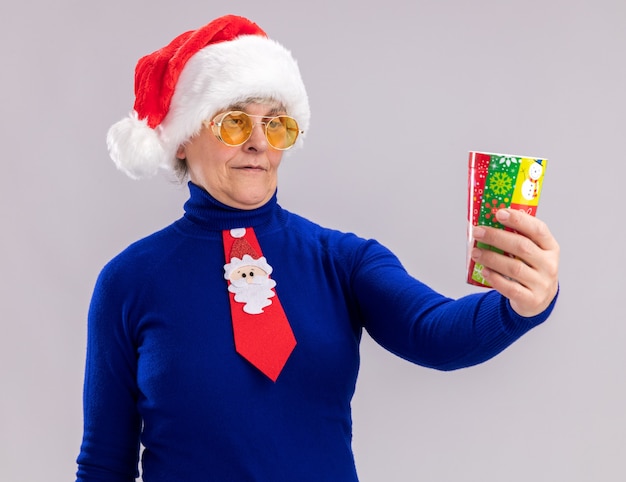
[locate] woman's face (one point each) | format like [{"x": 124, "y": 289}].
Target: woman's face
[{"x": 243, "y": 177}]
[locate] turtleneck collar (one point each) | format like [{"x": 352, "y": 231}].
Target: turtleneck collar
[{"x": 205, "y": 211}]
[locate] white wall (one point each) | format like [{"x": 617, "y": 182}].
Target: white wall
[{"x": 534, "y": 77}]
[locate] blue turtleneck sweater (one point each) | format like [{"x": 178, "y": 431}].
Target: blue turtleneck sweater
[{"x": 162, "y": 367}]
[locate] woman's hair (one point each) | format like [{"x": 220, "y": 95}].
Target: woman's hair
[{"x": 181, "y": 171}]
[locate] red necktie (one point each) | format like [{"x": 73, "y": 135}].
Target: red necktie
[{"x": 261, "y": 330}]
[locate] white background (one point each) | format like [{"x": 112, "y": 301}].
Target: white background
[{"x": 400, "y": 91}]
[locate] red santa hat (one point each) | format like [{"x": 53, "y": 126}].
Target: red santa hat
[{"x": 199, "y": 73}]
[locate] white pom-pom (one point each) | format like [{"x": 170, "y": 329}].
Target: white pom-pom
[
  {"x": 136, "y": 148},
  {"x": 238, "y": 232}
]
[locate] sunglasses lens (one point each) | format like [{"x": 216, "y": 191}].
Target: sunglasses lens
[
  {"x": 235, "y": 128},
  {"x": 282, "y": 132}
]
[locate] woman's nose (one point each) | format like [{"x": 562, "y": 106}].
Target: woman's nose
[{"x": 257, "y": 140}]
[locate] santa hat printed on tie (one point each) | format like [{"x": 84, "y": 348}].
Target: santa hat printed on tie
[
  {"x": 200, "y": 73},
  {"x": 243, "y": 254}
]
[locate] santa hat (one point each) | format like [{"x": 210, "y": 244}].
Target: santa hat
[{"x": 199, "y": 73}]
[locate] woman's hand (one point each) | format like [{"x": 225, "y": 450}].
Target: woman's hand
[{"x": 529, "y": 279}]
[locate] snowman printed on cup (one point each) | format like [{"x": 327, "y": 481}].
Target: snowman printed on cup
[{"x": 530, "y": 187}]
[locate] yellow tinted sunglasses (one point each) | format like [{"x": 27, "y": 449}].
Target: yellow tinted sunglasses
[{"x": 235, "y": 127}]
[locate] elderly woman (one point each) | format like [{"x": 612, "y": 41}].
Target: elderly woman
[{"x": 227, "y": 344}]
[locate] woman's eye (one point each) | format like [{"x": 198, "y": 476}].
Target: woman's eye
[
  {"x": 274, "y": 124},
  {"x": 230, "y": 122}
]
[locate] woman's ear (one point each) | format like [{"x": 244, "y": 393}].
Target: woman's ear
[{"x": 180, "y": 153}]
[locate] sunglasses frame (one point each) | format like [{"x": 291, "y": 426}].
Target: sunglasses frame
[{"x": 217, "y": 125}]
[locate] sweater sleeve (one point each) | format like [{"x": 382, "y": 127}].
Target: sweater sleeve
[
  {"x": 413, "y": 321},
  {"x": 110, "y": 446}
]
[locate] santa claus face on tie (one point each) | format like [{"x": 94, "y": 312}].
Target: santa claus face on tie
[{"x": 250, "y": 282}]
